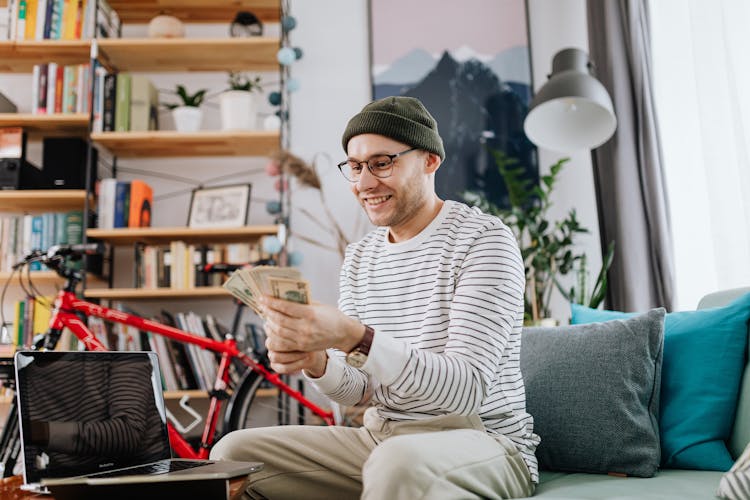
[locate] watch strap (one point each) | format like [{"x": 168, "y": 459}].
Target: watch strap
[{"x": 366, "y": 342}]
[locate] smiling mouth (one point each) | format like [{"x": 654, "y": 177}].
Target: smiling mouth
[{"x": 377, "y": 200}]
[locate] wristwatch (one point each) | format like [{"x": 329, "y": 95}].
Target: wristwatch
[{"x": 358, "y": 356}]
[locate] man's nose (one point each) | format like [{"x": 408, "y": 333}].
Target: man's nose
[{"x": 366, "y": 180}]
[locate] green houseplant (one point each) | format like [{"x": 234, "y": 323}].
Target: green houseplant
[
  {"x": 547, "y": 247},
  {"x": 187, "y": 114}
]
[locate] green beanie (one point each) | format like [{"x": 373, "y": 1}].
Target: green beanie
[{"x": 403, "y": 119}]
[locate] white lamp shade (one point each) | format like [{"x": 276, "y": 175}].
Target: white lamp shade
[{"x": 573, "y": 110}]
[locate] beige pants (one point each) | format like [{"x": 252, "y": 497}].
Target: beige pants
[{"x": 444, "y": 457}]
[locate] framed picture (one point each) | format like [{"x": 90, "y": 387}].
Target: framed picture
[
  {"x": 469, "y": 64},
  {"x": 220, "y": 206}
]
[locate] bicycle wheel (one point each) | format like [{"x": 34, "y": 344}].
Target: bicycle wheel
[{"x": 246, "y": 409}]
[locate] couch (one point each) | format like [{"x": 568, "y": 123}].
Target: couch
[{"x": 667, "y": 483}]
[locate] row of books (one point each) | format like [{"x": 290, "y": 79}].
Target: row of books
[
  {"x": 124, "y": 203},
  {"x": 180, "y": 265},
  {"x": 20, "y": 234},
  {"x": 56, "y": 88},
  {"x": 124, "y": 102},
  {"x": 30, "y": 317},
  {"x": 58, "y": 20},
  {"x": 184, "y": 366}
]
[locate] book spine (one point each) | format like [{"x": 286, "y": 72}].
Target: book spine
[
  {"x": 42, "y": 89},
  {"x": 109, "y": 99},
  {"x": 122, "y": 107},
  {"x": 41, "y": 15},
  {"x": 122, "y": 202},
  {"x": 48, "y": 19}
]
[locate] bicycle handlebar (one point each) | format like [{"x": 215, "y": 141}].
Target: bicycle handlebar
[{"x": 56, "y": 252}]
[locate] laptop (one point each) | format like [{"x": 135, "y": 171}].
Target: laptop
[{"x": 99, "y": 419}]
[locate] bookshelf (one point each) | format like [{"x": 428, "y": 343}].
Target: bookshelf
[
  {"x": 63, "y": 124},
  {"x": 202, "y": 292},
  {"x": 42, "y": 200},
  {"x": 197, "y": 394},
  {"x": 21, "y": 56},
  {"x": 214, "y": 11},
  {"x": 48, "y": 278},
  {"x": 168, "y": 143},
  {"x": 163, "y": 235}
]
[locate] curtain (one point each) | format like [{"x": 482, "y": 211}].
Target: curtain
[
  {"x": 702, "y": 82},
  {"x": 628, "y": 171}
]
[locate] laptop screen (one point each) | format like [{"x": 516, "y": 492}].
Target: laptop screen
[{"x": 86, "y": 412}]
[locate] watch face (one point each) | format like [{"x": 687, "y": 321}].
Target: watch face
[{"x": 356, "y": 359}]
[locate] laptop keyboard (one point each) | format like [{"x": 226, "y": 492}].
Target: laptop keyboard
[{"x": 161, "y": 467}]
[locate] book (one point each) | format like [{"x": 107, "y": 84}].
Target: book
[
  {"x": 122, "y": 203},
  {"x": 51, "y": 90},
  {"x": 144, "y": 103},
  {"x": 141, "y": 200},
  {"x": 122, "y": 103},
  {"x": 41, "y": 105},
  {"x": 109, "y": 99},
  {"x": 74, "y": 227},
  {"x": 30, "y": 25},
  {"x": 106, "y": 203}
]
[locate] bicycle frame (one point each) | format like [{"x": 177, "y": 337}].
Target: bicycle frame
[{"x": 64, "y": 315}]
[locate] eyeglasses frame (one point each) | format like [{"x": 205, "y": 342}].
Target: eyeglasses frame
[{"x": 392, "y": 159}]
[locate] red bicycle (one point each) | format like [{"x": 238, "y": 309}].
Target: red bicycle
[{"x": 69, "y": 311}]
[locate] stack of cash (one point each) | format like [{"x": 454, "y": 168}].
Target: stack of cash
[{"x": 280, "y": 282}]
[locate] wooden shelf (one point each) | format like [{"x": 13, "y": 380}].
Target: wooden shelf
[
  {"x": 42, "y": 200},
  {"x": 57, "y": 124},
  {"x": 190, "y": 54},
  {"x": 48, "y": 277},
  {"x": 167, "y": 143},
  {"x": 20, "y": 57},
  {"x": 163, "y": 235},
  {"x": 198, "y": 394},
  {"x": 206, "y": 292},
  {"x": 195, "y": 11}
]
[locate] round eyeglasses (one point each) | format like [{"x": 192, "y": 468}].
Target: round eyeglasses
[{"x": 380, "y": 166}]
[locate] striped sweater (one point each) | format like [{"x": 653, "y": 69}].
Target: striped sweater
[{"x": 447, "y": 310}]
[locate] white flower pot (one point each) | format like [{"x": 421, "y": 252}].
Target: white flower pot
[
  {"x": 239, "y": 110},
  {"x": 187, "y": 118}
]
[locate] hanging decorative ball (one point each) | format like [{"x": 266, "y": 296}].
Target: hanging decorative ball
[
  {"x": 283, "y": 115},
  {"x": 273, "y": 168},
  {"x": 297, "y": 53},
  {"x": 274, "y": 98},
  {"x": 292, "y": 85},
  {"x": 288, "y": 23},
  {"x": 286, "y": 56},
  {"x": 278, "y": 185},
  {"x": 273, "y": 207},
  {"x": 295, "y": 258},
  {"x": 271, "y": 244},
  {"x": 271, "y": 123}
]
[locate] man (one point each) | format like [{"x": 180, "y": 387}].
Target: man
[{"x": 431, "y": 307}]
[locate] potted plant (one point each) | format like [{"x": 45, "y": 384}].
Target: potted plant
[
  {"x": 187, "y": 115},
  {"x": 237, "y": 104},
  {"x": 546, "y": 246}
]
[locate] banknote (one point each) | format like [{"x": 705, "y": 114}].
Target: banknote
[
  {"x": 290, "y": 289},
  {"x": 286, "y": 283}
]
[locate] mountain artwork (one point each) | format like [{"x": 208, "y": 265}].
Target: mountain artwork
[{"x": 478, "y": 90}]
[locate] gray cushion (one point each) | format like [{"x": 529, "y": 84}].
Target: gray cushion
[{"x": 593, "y": 391}]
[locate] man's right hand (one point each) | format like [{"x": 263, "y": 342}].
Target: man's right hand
[{"x": 313, "y": 363}]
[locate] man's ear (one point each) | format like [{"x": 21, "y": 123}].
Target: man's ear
[{"x": 432, "y": 162}]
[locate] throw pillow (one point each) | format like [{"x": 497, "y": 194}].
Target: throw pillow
[
  {"x": 704, "y": 353},
  {"x": 593, "y": 391}
]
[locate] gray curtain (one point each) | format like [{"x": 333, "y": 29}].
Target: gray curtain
[{"x": 631, "y": 193}]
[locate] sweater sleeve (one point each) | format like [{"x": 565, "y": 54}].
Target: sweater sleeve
[
  {"x": 487, "y": 302},
  {"x": 340, "y": 382},
  {"x": 122, "y": 433}
]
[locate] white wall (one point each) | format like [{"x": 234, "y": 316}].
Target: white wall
[{"x": 335, "y": 84}]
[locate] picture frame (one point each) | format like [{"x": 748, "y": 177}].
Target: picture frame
[
  {"x": 219, "y": 206},
  {"x": 473, "y": 73}
]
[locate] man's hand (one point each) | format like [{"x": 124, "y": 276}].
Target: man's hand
[
  {"x": 313, "y": 363},
  {"x": 301, "y": 328}
]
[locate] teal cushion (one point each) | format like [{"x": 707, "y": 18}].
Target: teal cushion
[{"x": 704, "y": 353}]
